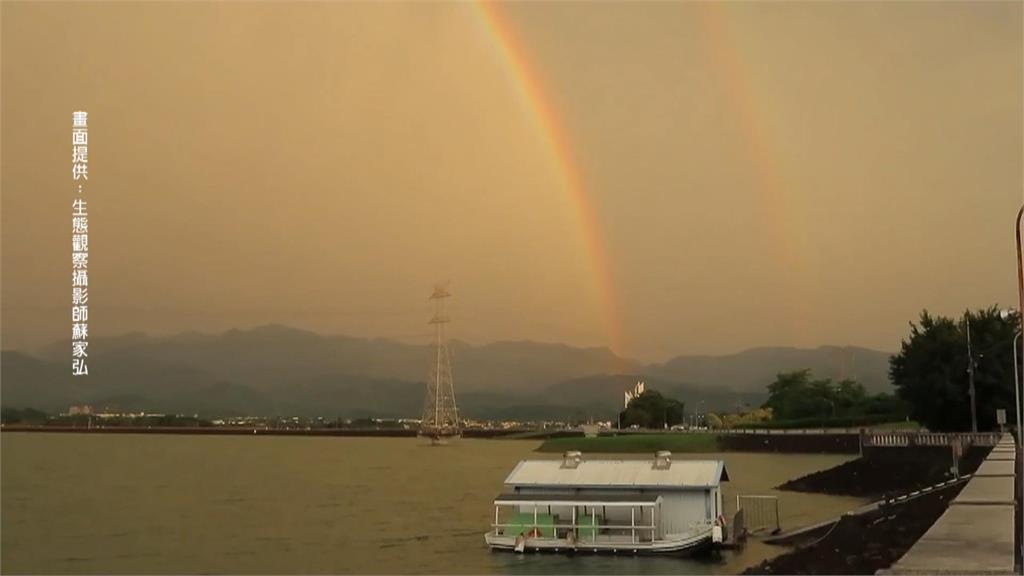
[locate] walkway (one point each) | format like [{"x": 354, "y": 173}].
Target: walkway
[{"x": 975, "y": 535}]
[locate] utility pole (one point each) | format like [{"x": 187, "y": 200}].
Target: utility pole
[
  {"x": 970, "y": 376},
  {"x": 1020, "y": 316},
  {"x": 1016, "y": 384}
]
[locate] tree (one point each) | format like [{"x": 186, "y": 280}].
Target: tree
[
  {"x": 930, "y": 372},
  {"x": 884, "y": 404},
  {"x": 849, "y": 395},
  {"x": 756, "y": 416},
  {"x": 714, "y": 421},
  {"x": 652, "y": 410},
  {"x": 796, "y": 396},
  {"x": 673, "y": 412},
  {"x": 635, "y": 416}
]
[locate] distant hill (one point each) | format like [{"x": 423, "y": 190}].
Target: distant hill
[
  {"x": 26, "y": 381},
  {"x": 276, "y": 370},
  {"x": 753, "y": 369},
  {"x": 269, "y": 356}
]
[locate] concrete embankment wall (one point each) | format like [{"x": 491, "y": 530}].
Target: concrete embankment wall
[
  {"x": 889, "y": 471},
  {"x": 977, "y": 533},
  {"x": 808, "y": 443}
]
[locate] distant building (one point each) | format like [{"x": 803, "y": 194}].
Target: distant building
[{"x": 634, "y": 393}]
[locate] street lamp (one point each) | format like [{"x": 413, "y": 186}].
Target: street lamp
[
  {"x": 1006, "y": 315},
  {"x": 1020, "y": 261},
  {"x": 1016, "y": 383},
  {"x": 1020, "y": 310},
  {"x": 971, "y": 366}
]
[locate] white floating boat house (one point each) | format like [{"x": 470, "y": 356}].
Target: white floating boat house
[{"x": 629, "y": 506}]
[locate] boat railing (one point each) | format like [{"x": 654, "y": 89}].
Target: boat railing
[
  {"x": 584, "y": 533},
  {"x": 579, "y": 526}
]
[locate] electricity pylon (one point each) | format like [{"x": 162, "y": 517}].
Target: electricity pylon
[{"x": 440, "y": 414}]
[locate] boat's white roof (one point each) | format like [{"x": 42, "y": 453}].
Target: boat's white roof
[
  {"x": 561, "y": 499},
  {"x": 681, "y": 475}
]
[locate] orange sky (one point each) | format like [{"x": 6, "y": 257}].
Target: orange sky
[{"x": 755, "y": 174}]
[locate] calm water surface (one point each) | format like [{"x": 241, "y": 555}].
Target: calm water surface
[{"x": 91, "y": 503}]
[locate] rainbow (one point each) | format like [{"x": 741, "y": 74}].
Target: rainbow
[
  {"x": 762, "y": 150},
  {"x": 779, "y": 213},
  {"x": 776, "y": 207},
  {"x": 531, "y": 90}
]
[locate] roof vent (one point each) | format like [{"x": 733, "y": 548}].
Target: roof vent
[
  {"x": 662, "y": 460},
  {"x": 572, "y": 459}
]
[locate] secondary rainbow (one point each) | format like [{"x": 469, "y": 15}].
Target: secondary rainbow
[{"x": 530, "y": 88}]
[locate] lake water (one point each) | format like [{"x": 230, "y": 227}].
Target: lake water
[{"x": 104, "y": 503}]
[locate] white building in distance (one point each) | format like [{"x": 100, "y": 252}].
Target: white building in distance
[{"x": 634, "y": 393}]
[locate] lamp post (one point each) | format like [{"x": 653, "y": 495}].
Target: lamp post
[
  {"x": 970, "y": 376},
  {"x": 1020, "y": 304},
  {"x": 1020, "y": 263},
  {"x": 1020, "y": 317},
  {"x": 1005, "y": 315},
  {"x": 1016, "y": 384}
]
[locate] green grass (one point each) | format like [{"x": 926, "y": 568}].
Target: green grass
[
  {"x": 634, "y": 443},
  {"x": 908, "y": 425},
  {"x": 810, "y": 423}
]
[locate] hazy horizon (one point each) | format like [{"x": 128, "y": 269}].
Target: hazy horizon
[
  {"x": 31, "y": 350},
  {"x": 657, "y": 178}
]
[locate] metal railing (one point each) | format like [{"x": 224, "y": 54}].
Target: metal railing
[
  {"x": 758, "y": 513},
  {"x": 906, "y": 439}
]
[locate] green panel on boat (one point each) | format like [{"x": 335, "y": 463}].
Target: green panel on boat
[
  {"x": 587, "y": 527},
  {"x": 523, "y": 523}
]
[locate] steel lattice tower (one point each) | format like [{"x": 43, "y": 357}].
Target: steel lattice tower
[{"x": 440, "y": 414}]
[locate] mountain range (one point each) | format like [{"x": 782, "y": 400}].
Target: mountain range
[{"x": 278, "y": 370}]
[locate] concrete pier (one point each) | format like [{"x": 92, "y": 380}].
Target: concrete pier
[
  {"x": 975, "y": 535},
  {"x": 987, "y": 490},
  {"x": 990, "y": 468}
]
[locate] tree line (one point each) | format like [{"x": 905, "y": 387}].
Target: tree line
[
  {"x": 799, "y": 396},
  {"x": 931, "y": 375},
  {"x": 652, "y": 410}
]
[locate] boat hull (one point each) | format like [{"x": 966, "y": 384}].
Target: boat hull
[{"x": 681, "y": 545}]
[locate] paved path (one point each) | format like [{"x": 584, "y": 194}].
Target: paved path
[{"x": 975, "y": 535}]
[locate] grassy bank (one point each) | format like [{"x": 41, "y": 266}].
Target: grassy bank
[
  {"x": 634, "y": 443},
  {"x": 870, "y": 421}
]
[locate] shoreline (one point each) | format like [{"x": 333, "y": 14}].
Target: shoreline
[
  {"x": 866, "y": 542},
  {"x": 246, "y": 431},
  {"x": 636, "y": 443},
  {"x": 553, "y": 441},
  {"x": 862, "y": 544},
  {"x": 882, "y": 471}
]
